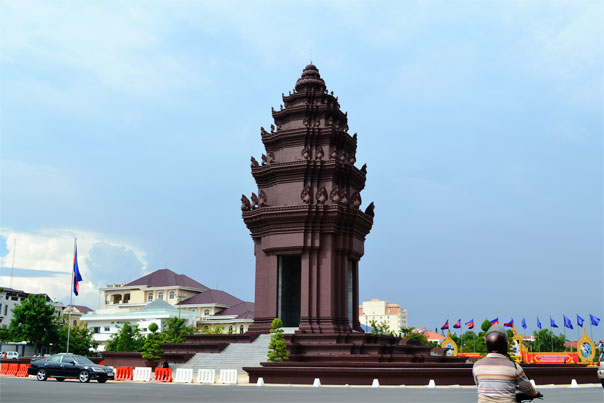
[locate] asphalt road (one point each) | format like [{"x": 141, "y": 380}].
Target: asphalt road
[{"x": 18, "y": 390}]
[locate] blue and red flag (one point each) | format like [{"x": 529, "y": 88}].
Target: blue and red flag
[
  {"x": 594, "y": 319},
  {"x": 445, "y": 326},
  {"x": 523, "y": 323},
  {"x": 567, "y": 323},
  {"x": 538, "y": 323},
  {"x": 77, "y": 277},
  {"x": 495, "y": 321},
  {"x": 457, "y": 325},
  {"x": 580, "y": 321},
  {"x": 470, "y": 324},
  {"x": 510, "y": 323}
]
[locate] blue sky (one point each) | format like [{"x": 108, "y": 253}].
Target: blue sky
[{"x": 130, "y": 125}]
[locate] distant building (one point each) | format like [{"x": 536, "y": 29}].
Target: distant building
[
  {"x": 162, "y": 284},
  {"x": 10, "y": 298},
  {"x": 104, "y": 323},
  {"x": 76, "y": 313},
  {"x": 383, "y": 311},
  {"x": 162, "y": 295}
]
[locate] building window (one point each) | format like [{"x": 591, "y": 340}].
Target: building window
[
  {"x": 75, "y": 322},
  {"x": 171, "y": 295},
  {"x": 107, "y": 328},
  {"x": 126, "y": 298},
  {"x": 160, "y": 295},
  {"x": 96, "y": 329},
  {"x": 230, "y": 329},
  {"x": 241, "y": 329},
  {"x": 5, "y": 310},
  {"x": 206, "y": 312},
  {"x": 150, "y": 297}
]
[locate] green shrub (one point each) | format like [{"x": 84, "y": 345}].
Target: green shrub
[{"x": 277, "y": 350}]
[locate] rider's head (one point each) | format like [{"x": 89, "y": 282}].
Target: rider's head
[{"x": 497, "y": 340}]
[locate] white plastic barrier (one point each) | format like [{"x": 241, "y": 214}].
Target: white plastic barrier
[
  {"x": 206, "y": 376},
  {"x": 141, "y": 374},
  {"x": 376, "y": 383},
  {"x": 228, "y": 376},
  {"x": 184, "y": 375},
  {"x": 574, "y": 384},
  {"x": 431, "y": 384},
  {"x": 316, "y": 383}
]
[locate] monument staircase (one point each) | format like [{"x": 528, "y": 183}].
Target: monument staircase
[{"x": 233, "y": 356}]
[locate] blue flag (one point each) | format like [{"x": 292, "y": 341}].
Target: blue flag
[
  {"x": 567, "y": 323},
  {"x": 77, "y": 277},
  {"x": 594, "y": 320},
  {"x": 552, "y": 323},
  {"x": 523, "y": 323},
  {"x": 538, "y": 323},
  {"x": 580, "y": 321}
]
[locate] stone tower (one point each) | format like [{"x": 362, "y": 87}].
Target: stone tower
[{"x": 305, "y": 218}]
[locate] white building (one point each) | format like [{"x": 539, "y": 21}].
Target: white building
[
  {"x": 383, "y": 311},
  {"x": 10, "y": 298},
  {"x": 104, "y": 323}
]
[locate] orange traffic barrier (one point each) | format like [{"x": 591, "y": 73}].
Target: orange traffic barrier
[
  {"x": 12, "y": 369},
  {"x": 123, "y": 373},
  {"x": 163, "y": 375},
  {"x": 4, "y": 368},
  {"x": 22, "y": 371}
]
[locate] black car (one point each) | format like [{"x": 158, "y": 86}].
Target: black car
[{"x": 63, "y": 366}]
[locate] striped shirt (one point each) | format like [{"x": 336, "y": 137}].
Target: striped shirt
[{"x": 497, "y": 377}]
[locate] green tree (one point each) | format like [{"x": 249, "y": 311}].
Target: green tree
[
  {"x": 5, "y": 335},
  {"x": 175, "y": 330},
  {"x": 381, "y": 328},
  {"x": 127, "y": 339},
  {"x": 543, "y": 341},
  {"x": 152, "y": 347},
  {"x": 34, "y": 321},
  {"x": 218, "y": 329},
  {"x": 277, "y": 350},
  {"x": 80, "y": 340}
]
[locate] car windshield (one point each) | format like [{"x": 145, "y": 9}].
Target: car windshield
[{"x": 82, "y": 360}]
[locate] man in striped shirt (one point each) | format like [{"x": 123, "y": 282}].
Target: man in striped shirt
[{"x": 496, "y": 375}]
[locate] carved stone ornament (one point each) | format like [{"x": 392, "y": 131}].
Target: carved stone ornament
[
  {"x": 254, "y": 163},
  {"x": 306, "y": 153},
  {"x": 262, "y": 199},
  {"x": 354, "y": 137},
  {"x": 342, "y": 156},
  {"x": 344, "y": 196},
  {"x": 263, "y": 132},
  {"x": 271, "y": 157},
  {"x": 322, "y": 195},
  {"x": 320, "y": 153},
  {"x": 355, "y": 200},
  {"x": 305, "y": 195},
  {"x": 334, "y": 195},
  {"x": 264, "y": 160},
  {"x": 352, "y": 159},
  {"x": 272, "y": 128},
  {"x": 369, "y": 210},
  {"x": 364, "y": 168},
  {"x": 245, "y": 203},
  {"x": 333, "y": 154},
  {"x": 254, "y": 200}
]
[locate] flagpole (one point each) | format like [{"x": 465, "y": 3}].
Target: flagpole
[{"x": 71, "y": 296}]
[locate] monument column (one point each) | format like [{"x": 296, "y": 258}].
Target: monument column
[{"x": 305, "y": 218}]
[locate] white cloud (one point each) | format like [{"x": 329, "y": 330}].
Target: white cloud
[{"x": 52, "y": 250}]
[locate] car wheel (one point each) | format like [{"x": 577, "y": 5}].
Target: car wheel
[
  {"x": 84, "y": 376},
  {"x": 42, "y": 375},
  {"x": 60, "y": 379},
  {"x": 101, "y": 380}
]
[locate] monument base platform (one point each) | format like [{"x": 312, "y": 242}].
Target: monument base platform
[{"x": 362, "y": 373}]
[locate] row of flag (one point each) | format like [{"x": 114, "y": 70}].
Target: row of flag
[{"x": 595, "y": 321}]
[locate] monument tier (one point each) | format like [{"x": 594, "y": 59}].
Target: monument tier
[{"x": 305, "y": 218}]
